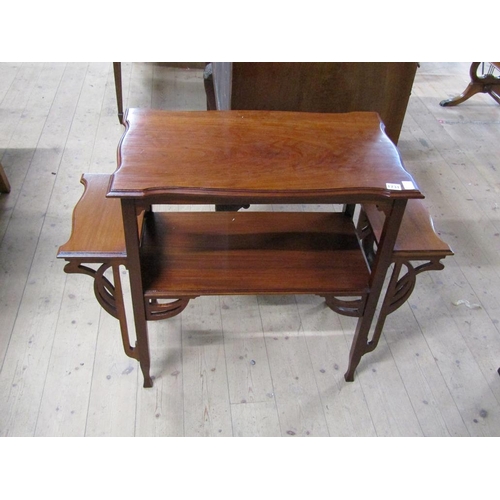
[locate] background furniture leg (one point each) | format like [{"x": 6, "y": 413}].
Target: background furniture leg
[
  {"x": 4, "y": 182},
  {"x": 486, "y": 84},
  {"x": 117, "y": 69}
]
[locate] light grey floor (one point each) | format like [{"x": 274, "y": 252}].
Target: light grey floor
[{"x": 240, "y": 366}]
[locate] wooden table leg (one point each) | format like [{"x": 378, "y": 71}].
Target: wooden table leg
[
  {"x": 136, "y": 288},
  {"x": 383, "y": 259},
  {"x": 4, "y": 182},
  {"x": 117, "y": 70}
]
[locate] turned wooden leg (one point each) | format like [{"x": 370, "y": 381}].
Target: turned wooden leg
[{"x": 486, "y": 84}]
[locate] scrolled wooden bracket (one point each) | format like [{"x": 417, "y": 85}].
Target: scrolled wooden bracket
[
  {"x": 353, "y": 307},
  {"x": 104, "y": 290},
  {"x": 156, "y": 310},
  {"x": 399, "y": 290},
  {"x": 109, "y": 296}
]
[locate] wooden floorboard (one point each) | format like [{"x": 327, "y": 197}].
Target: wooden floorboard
[{"x": 240, "y": 366}]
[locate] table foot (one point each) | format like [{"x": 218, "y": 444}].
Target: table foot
[
  {"x": 354, "y": 359},
  {"x": 148, "y": 382}
]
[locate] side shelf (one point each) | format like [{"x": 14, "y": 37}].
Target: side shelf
[{"x": 97, "y": 227}]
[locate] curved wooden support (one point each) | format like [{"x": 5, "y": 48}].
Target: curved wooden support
[
  {"x": 486, "y": 84},
  {"x": 405, "y": 285},
  {"x": 399, "y": 291},
  {"x": 353, "y": 308},
  {"x": 103, "y": 289},
  {"x": 157, "y": 310},
  {"x": 109, "y": 296}
]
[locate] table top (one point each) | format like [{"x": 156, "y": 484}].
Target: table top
[{"x": 259, "y": 156}]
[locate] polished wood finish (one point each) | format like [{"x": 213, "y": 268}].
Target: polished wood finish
[
  {"x": 184, "y": 255},
  {"x": 188, "y": 254},
  {"x": 417, "y": 249},
  {"x": 97, "y": 227},
  {"x": 97, "y": 237},
  {"x": 262, "y": 156},
  {"x": 479, "y": 83},
  {"x": 417, "y": 236},
  {"x": 4, "y": 182},
  {"x": 255, "y": 157},
  {"x": 326, "y": 87}
]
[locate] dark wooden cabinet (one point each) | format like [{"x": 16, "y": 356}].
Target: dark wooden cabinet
[{"x": 321, "y": 87}]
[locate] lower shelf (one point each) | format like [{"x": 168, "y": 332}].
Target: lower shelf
[{"x": 187, "y": 254}]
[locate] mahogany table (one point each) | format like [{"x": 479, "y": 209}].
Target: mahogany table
[{"x": 255, "y": 157}]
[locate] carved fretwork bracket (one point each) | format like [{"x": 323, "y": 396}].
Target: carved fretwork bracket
[
  {"x": 104, "y": 290},
  {"x": 109, "y": 296},
  {"x": 352, "y": 307},
  {"x": 162, "y": 310},
  {"x": 399, "y": 290}
]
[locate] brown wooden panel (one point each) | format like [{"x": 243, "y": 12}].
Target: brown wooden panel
[
  {"x": 189, "y": 254},
  {"x": 416, "y": 235},
  {"x": 331, "y": 87},
  {"x": 97, "y": 229},
  {"x": 257, "y": 155}
]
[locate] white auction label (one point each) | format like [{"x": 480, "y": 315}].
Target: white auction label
[
  {"x": 408, "y": 185},
  {"x": 394, "y": 187}
]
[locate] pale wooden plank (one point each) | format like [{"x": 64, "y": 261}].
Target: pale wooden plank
[
  {"x": 345, "y": 407},
  {"x": 255, "y": 419},
  {"x": 248, "y": 372},
  {"x": 477, "y": 404},
  {"x": 29, "y": 205},
  {"x": 27, "y": 358},
  {"x": 207, "y": 409},
  {"x": 388, "y": 401},
  {"x": 58, "y": 361},
  {"x": 459, "y": 187},
  {"x": 115, "y": 381},
  {"x": 296, "y": 392},
  {"x": 63, "y": 405},
  {"x": 8, "y": 72},
  {"x": 160, "y": 409},
  {"x": 431, "y": 399},
  {"x": 140, "y": 90},
  {"x": 178, "y": 88},
  {"x": 462, "y": 220},
  {"x": 19, "y": 141}
]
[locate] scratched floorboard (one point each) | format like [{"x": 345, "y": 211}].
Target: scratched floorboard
[{"x": 240, "y": 366}]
